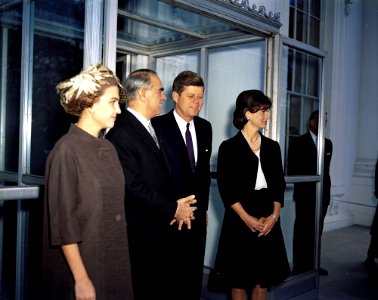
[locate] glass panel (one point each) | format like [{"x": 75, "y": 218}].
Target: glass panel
[
  {"x": 302, "y": 27},
  {"x": 10, "y": 62},
  {"x": 168, "y": 67},
  {"x": 248, "y": 72},
  {"x": 31, "y": 252},
  {"x": 315, "y": 8},
  {"x": 313, "y": 76},
  {"x": 292, "y": 22},
  {"x": 299, "y": 26},
  {"x": 166, "y": 18},
  {"x": 314, "y": 32},
  {"x": 303, "y": 5},
  {"x": 294, "y": 115},
  {"x": 147, "y": 35},
  {"x": 8, "y": 219},
  {"x": 301, "y": 159},
  {"x": 33, "y": 229},
  {"x": 58, "y": 54},
  {"x": 304, "y": 22},
  {"x": 300, "y": 72},
  {"x": 226, "y": 88},
  {"x": 290, "y": 71}
]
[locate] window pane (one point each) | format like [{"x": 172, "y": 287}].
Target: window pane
[
  {"x": 304, "y": 21},
  {"x": 292, "y": 22},
  {"x": 308, "y": 106},
  {"x": 290, "y": 70},
  {"x": 222, "y": 90},
  {"x": 166, "y": 14},
  {"x": 314, "y": 32},
  {"x": 250, "y": 69},
  {"x": 10, "y": 62},
  {"x": 294, "y": 115},
  {"x": 315, "y": 8},
  {"x": 168, "y": 68},
  {"x": 58, "y": 54},
  {"x": 313, "y": 76},
  {"x": 304, "y": 98},
  {"x": 300, "y": 72},
  {"x": 303, "y": 5},
  {"x": 302, "y": 26}
]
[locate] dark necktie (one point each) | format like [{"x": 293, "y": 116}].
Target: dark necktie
[{"x": 189, "y": 146}]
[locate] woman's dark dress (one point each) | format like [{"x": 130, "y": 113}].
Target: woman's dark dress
[
  {"x": 243, "y": 258},
  {"x": 84, "y": 204}
]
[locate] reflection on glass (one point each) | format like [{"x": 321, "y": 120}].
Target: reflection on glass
[
  {"x": 303, "y": 92},
  {"x": 156, "y": 22},
  {"x": 169, "y": 66},
  {"x": 10, "y": 61},
  {"x": 58, "y": 54}
]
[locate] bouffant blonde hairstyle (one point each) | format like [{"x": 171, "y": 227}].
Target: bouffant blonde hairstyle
[{"x": 84, "y": 89}]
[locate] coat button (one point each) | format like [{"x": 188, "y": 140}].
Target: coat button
[{"x": 118, "y": 217}]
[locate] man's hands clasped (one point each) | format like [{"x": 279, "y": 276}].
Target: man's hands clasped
[{"x": 185, "y": 212}]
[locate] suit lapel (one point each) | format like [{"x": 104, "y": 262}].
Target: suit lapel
[
  {"x": 142, "y": 133},
  {"x": 201, "y": 141},
  {"x": 177, "y": 142}
]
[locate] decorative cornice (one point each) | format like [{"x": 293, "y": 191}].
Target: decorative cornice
[{"x": 260, "y": 11}]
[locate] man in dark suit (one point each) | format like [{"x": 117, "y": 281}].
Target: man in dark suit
[
  {"x": 302, "y": 160},
  {"x": 190, "y": 174},
  {"x": 372, "y": 252},
  {"x": 151, "y": 206}
]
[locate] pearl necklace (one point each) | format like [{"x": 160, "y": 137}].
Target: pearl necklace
[{"x": 254, "y": 145}]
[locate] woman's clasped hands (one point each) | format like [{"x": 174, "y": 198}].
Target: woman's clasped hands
[{"x": 262, "y": 225}]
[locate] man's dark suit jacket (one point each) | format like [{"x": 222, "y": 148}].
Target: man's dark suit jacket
[
  {"x": 187, "y": 243},
  {"x": 150, "y": 205},
  {"x": 302, "y": 160}
]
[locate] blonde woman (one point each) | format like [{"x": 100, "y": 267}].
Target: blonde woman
[{"x": 86, "y": 247}]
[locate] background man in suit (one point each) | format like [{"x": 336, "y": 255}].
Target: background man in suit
[
  {"x": 372, "y": 252},
  {"x": 188, "y": 176},
  {"x": 150, "y": 203},
  {"x": 302, "y": 160}
]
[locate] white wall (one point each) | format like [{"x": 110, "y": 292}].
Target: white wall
[
  {"x": 351, "y": 91},
  {"x": 362, "y": 188}
]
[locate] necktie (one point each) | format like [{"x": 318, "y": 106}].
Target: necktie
[
  {"x": 153, "y": 134},
  {"x": 189, "y": 146}
]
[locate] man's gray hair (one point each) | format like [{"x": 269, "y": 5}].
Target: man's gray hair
[{"x": 136, "y": 80}]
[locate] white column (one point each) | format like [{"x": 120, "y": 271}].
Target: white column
[
  {"x": 110, "y": 33},
  {"x": 93, "y": 32}
]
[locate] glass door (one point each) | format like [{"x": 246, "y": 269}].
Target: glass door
[{"x": 41, "y": 44}]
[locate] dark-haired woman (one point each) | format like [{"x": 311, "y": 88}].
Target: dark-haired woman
[{"x": 251, "y": 252}]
